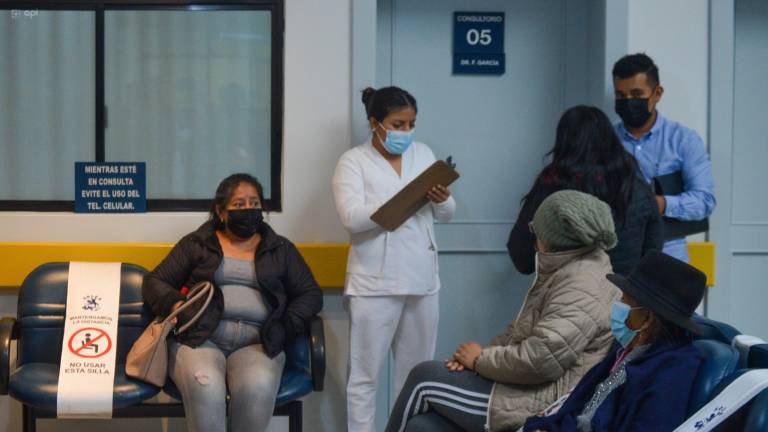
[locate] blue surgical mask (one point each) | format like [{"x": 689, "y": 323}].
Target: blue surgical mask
[
  {"x": 619, "y": 314},
  {"x": 397, "y": 142}
]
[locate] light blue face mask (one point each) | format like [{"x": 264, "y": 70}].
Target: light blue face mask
[
  {"x": 619, "y": 314},
  {"x": 397, "y": 142}
]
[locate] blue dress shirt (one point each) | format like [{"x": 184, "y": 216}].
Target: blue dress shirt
[{"x": 667, "y": 148}]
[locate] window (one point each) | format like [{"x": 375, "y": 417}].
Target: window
[
  {"x": 194, "y": 91},
  {"x": 47, "y": 102}
]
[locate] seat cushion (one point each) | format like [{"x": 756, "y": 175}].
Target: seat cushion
[
  {"x": 293, "y": 385},
  {"x": 36, "y": 384}
]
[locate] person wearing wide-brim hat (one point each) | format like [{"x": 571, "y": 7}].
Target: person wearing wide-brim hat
[{"x": 645, "y": 381}]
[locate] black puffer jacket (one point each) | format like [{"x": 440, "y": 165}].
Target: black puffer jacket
[
  {"x": 639, "y": 232},
  {"x": 284, "y": 278}
]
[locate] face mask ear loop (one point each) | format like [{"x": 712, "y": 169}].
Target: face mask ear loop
[
  {"x": 373, "y": 132},
  {"x": 381, "y": 140}
]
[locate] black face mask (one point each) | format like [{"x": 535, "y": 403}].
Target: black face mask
[
  {"x": 633, "y": 112},
  {"x": 244, "y": 223}
]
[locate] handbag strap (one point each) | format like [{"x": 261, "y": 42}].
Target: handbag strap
[{"x": 196, "y": 293}]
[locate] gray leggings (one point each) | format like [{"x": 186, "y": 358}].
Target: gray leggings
[
  {"x": 436, "y": 399},
  {"x": 231, "y": 360}
]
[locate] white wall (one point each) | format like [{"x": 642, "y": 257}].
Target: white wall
[
  {"x": 317, "y": 130},
  {"x": 740, "y": 54},
  {"x": 675, "y": 33}
]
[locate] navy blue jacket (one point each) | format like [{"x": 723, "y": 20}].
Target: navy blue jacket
[{"x": 653, "y": 398}]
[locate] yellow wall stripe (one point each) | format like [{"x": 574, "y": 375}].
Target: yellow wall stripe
[
  {"x": 327, "y": 261},
  {"x": 702, "y": 256}
]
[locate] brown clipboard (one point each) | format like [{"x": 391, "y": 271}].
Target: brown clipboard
[{"x": 413, "y": 196}]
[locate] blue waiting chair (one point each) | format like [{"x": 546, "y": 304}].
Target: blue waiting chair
[
  {"x": 715, "y": 330},
  {"x": 719, "y": 362},
  {"x": 757, "y": 414},
  {"x": 38, "y": 331},
  {"x": 754, "y": 415}
]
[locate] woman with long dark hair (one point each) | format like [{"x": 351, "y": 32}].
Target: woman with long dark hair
[{"x": 589, "y": 157}]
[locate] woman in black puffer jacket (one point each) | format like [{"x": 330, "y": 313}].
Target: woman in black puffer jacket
[
  {"x": 264, "y": 296},
  {"x": 589, "y": 157}
]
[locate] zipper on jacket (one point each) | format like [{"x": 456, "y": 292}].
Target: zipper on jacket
[
  {"x": 528, "y": 293},
  {"x": 272, "y": 247},
  {"x": 487, "y": 425}
]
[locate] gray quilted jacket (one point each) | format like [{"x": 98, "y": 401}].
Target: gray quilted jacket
[{"x": 563, "y": 329}]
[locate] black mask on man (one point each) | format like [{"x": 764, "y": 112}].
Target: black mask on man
[
  {"x": 634, "y": 112},
  {"x": 245, "y": 223}
]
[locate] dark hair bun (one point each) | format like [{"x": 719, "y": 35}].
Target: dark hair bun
[
  {"x": 380, "y": 103},
  {"x": 368, "y": 93}
]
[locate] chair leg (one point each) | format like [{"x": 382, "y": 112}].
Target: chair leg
[
  {"x": 295, "y": 419},
  {"x": 28, "y": 418}
]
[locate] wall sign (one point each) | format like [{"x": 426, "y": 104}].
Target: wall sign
[
  {"x": 110, "y": 187},
  {"x": 87, "y": 367},
  {"x": 478, "y": 43}
]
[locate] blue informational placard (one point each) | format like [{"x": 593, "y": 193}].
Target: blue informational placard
[
  {"x": 110, "y": 187},
  {"x": 478, "y": 43}
]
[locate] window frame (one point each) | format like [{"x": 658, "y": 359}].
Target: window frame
[{"x": 100, "y": 7}]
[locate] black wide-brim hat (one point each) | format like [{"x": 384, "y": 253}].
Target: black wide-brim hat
[{"x": 667, "y": 286}]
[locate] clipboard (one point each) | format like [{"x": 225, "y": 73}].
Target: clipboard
[
  {"x": 413, "y": 196},
  {"x": 672, "y": 184}
]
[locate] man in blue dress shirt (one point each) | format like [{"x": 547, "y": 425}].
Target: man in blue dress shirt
[{"x": 662, "y": 146}]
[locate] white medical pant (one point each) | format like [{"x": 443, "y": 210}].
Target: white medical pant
[{"x": 407, "y": 325}]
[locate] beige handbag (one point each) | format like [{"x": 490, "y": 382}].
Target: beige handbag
[{"x": 148, "y": 358}]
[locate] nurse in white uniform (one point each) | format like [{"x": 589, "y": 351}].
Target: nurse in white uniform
[{"x": 392, "y": 277}]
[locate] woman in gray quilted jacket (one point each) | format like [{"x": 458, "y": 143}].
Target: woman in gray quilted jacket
[{"x": 561, "y": 331}]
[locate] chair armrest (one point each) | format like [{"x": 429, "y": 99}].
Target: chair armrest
[
  {"x": 6, "y": 335},
  {"x": 317, "y": 347}
]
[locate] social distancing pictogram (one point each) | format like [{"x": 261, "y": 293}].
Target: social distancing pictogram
[{"x": 90, "y": 342}]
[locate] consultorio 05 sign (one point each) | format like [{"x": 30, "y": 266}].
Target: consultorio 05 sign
[{"x": 478, "y": 43}]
